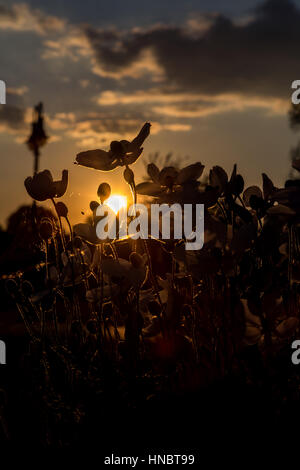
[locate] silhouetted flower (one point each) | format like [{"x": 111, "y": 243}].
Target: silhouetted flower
[
  {"x": 120, "y": 153},
  {"x": 169, "y": 179},
  {"x": 41, "y": 186}
]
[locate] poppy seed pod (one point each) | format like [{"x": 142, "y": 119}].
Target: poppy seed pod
[
  {"x": 11, "y": 287},
  {"x": 94, "y": 205},
  {"x": 27, "y": 288},
  {"x": 128, "y": 175},
  {"x": 61, "y": 209},
  {"x": 104, "y": 192},
  {"x": 136, "y": 260},
  {"x": 46, "y": 230}
]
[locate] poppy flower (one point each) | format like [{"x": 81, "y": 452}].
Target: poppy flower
[
  {"x": 169, "y": 179},
  {"x": 41, "y": 186},
  {"x": 218, "y": 178},
  {"x": 121, "y": 153}
]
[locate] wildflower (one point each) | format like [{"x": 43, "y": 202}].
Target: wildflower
[
  {"x": 121, "y": 153},
  {"x": 41, "y": 186},
  {"x": 169, "y": 179},
  {"x": 218, "y": 178}
]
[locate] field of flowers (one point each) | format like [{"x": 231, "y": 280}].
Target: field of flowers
[{"x": 122, "y": 333}]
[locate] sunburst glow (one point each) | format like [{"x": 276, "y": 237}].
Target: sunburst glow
[{"x": 116, "y": 202}]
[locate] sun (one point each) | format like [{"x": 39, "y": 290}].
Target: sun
[{"x": 116, "y": 202}]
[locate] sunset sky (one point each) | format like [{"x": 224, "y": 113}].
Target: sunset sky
[{"x": 213, "y": 77}]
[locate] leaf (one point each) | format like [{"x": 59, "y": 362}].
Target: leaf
[{"x": 280, "y": 209}]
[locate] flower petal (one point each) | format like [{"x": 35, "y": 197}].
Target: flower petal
[
  {"x": 218, "y": 178},
  {"x": 97, "y": 159},
  {"x": 149, "y": 189},
  {"x": 167, "y": 173},
  {"x": 251, "y": 191},
  {"x": 60, "y": 187},
  {"x": 153, "y": 172},
  {"x": 268, "y": 186},
  {"x": 280, "y": 209},
  {"x": 190, "y": 173},
  {"x": 131, "y": 158},
  {"x": 140, "y": 138}
]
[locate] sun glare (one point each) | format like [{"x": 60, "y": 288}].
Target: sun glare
[{"x": 116, "y": 202}]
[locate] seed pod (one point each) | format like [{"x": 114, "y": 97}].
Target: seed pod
[
  {"x": 128, "y": 175},
  {"x": 136, "y": 260},
  {"x": 27, "y": 288},
  {"x": 61, "y": 209},
  {"x": 94, "y": 204},
  {"x": 46, "y": 230},
  {"x": 104, "y": 192},
  {"x": 11, "y": 286}
]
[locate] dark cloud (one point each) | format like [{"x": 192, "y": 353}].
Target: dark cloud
[
  {"x": 7, "y": 13},
  {"x": 257, "y": 56},
  {"x": 12, "y": 117}
]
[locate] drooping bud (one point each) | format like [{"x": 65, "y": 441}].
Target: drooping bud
[
  {"x": 104, "y": 192},
  {"x": 128, "y": 175},
  {"x": 61, "y": 209},
  {"x": 94, "y": 205}
]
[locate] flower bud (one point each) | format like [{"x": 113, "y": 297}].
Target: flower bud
[
  {"x": 128, "y": 175},
  {"x": 61, "y": 209},
  {"x": 94, "y": 205},
  {"x": 136, "y": 260},
  {"x": 104, "y": 191},
  {"x": 46, "y": 230}
]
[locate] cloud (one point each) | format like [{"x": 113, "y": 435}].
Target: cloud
[
  {"x": 12, "y": 120},
  {"x": 99, "y": 129},
  {"x": 192, "y": 105},
  {"x": 258, "y": 56},
  {"x": 20, "y": 17}
]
